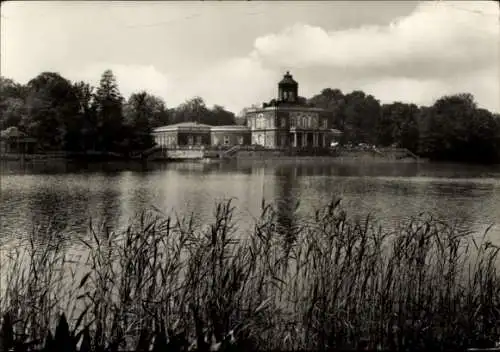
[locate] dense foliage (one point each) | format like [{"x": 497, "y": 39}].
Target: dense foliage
[
  {"x": 78, "y": 117},
  {"x": 452, "y": 129}
]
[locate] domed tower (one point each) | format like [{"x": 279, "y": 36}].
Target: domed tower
[{"x": 288, "y": 89}]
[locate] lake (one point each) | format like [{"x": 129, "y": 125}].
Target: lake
[{"x": 67, "y": 195}]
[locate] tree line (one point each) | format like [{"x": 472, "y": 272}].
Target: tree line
[
  {"x": 454, "y": 128},
  {"x": 75, "y": 116}
]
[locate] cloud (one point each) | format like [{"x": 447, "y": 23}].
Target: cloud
[
  {"x": 233, "y": 83},
  {"x": 236, "y": 83},
  {"x": 130, "y": 78},
  {"x": 433, "y": 38},
  {"x": 440, "y": 48}
]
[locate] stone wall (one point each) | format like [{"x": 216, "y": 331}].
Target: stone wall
[{"x": 185, "y": 154}]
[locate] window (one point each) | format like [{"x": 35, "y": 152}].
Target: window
[
  {"x": 283, "y": 122},
  {"x": 314, "y": 122},
  {"x": 240, "y": 140},
  {"x": 325, "y": 123},
  {"x": 190, "y": 140},
  {"x": 198, "y": 140},
  {"x": 261, "y": 139},
  {"x": 283, "y": 140},
  {"x": 261, "y": 121},
  {"x": 226, "y": 140},
  {"x": 292, "y": 121}
]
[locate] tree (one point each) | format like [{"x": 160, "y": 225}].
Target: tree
[
  {"x": 361, "y": 113},
  {"x": 484, "y": 138},
  {"x": 398, "y": 125},
  {"x": 51, "y": 106},
  {"x": 160, "y": 115},
  {"x": 139, "y": 114},
  {"x": 455, "y": 129},
  {"x": 193, "y": 110},
  {"x": 12, "y": 111},
  {"x": 12, "y": 104},
  {"x": 85, "y": 128},
  {"x": 332, "y": 100},
  {"x": 218, "y": 116},
  {"x": 109, "y": 110}
]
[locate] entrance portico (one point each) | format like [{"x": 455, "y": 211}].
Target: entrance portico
[{"x": 312, "y": 138}]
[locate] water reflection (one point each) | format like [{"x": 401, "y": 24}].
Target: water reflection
[
  {"x": 286, "y": 203},
  {"x": 69, "y": 193}
]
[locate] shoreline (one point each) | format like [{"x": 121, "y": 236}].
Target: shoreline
[
  {"x": 58, "y": 158},
  {"x": 62, "y": 157}
]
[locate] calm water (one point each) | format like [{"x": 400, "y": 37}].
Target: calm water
[{"x": 68, "y": 195}]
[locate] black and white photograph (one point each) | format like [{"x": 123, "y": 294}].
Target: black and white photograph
[{"x": 249, "y": 176}]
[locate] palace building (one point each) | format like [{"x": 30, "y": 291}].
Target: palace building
[
  {"x": 286, "y": 122},
  {"x": 289, "y": 121}
]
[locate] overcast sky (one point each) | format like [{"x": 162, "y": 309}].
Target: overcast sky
[{"x": 233, "y": 53}]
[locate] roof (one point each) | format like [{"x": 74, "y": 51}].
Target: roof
[
  {"x": 12, "y": 132},
  {"x": 288, "y": 79},
  {"x": 200, "y": 126},
  {"x": 183, "y": 125},
  {"x": 230, "y": 128},
  {"x": 286, "y": 108}
]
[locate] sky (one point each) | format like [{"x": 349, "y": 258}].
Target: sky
[{"x": 234, "y": 53}]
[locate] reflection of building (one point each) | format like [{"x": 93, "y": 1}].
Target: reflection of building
[{"x": 286, "y": 122}]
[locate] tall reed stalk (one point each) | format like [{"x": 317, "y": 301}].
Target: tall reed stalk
[{"x": 318, "y": 282}]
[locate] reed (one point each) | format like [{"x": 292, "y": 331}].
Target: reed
[{"x": 317, "y": 282}]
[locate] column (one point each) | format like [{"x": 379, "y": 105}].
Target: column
[{"x": 295, "y": 139}]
